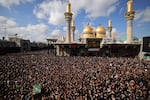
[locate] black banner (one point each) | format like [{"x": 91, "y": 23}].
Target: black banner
[
  {"x": 93, "y": 43},
  {"x": 146, "y": 44}
]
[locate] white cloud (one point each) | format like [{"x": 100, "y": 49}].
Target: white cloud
[
  {"x": 7, "y": 22},
  {"x": 114, "y": 30},
  {"x": 143, "y": 15},
  {"x": 32, "y": 32},
  {"x": 120, "y": 36},
  {"x": 56, "y": 33},
  {"x": 110, "y": 10},
  {"x": 9, "y": 3},
  {"x": 65, "y": 28},
  {"x": 36, "y": 32},
  {"x": 53, "y": 10},
  {"x": 95, "y": 8},
  {"x": 117, "y": 35},
  {"x": 121, "y": 11}
]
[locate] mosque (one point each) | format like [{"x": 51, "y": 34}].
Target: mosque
[{"x": 93, "y": 42}]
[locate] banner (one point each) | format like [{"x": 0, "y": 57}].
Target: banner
[{"x": 146, "y": 44}]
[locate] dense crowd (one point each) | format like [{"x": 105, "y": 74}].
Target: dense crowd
[{"x": 73, "y": 78}]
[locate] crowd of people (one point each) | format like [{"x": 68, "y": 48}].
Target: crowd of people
[{"x": 73, "y": 78}]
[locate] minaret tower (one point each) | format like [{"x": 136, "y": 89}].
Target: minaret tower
[
  {"x": 68, "y": 17},
  {"x": 73, "y": 30},
  {"x": 79, "y": 37},
  {"x": 113, "y": 36},
  {"x": 129, "y": 15},
  {"x": 109, "y": 28}
]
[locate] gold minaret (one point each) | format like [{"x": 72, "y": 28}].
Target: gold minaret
[
  {"x": 129, "y": 5},
  {"x": 113, "y": 36},
  {"x": 79, "y": 37},
  {"x": 109, "y": 27},
  {"x": 129, "y": 15},
  {"x": 68, "y": 17},
  {"x": 73, "y": 30},
  {"x": 68, "y": 9}
]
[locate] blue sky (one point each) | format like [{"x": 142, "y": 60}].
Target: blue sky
[{"x": 39, "y": 19}]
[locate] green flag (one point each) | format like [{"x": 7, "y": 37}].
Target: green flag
[{"x": 36, "y": 89}]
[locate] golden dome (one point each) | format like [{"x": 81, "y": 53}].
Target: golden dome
[
  {"x": 88, "y": 29},
  {"x": 101, "y": 29}
]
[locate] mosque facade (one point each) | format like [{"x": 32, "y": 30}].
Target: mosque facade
[{"x": 94, "y": 42}]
